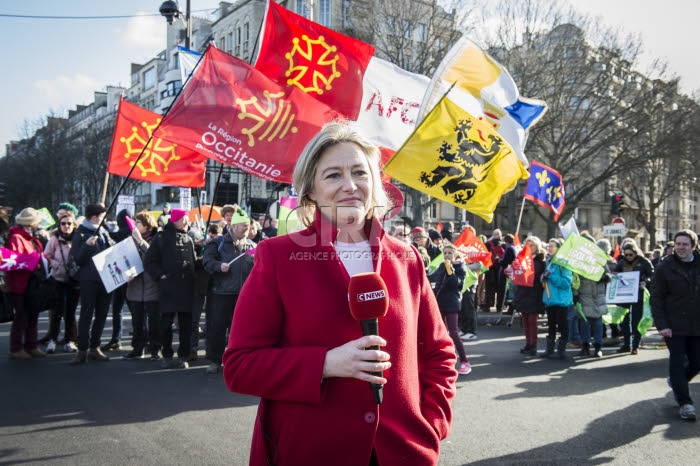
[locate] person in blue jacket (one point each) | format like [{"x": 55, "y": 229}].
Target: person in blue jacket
[{"x": 557, "y": 298}]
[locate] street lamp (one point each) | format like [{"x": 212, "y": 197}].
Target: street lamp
[{"x": 171, "y": 10}]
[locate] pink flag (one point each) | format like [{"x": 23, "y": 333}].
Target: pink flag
[{"x": 11, "y": 261}]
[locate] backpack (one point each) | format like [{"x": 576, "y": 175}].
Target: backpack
[{"x": 576, "y": 282}]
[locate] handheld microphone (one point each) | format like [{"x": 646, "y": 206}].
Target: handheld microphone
[{"x": 369, "y": 300}]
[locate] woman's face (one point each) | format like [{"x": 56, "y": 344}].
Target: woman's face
[
  {"x": 421, "y": 241},
  {"x": 552, "y": 248},
  {"x": 343, "y": 185},
  {"x": 532, "y": 246},
  {"x": 448, "y": 254},
  {"x": 141, "y": 227},
  {"x": 66, "y": 226}
]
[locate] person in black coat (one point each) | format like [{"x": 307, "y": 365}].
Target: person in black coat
[
  {"x": 229, "y": 263},
  {"x": 633, "y": 260},
  {"x": 171, "y": 262},
  {"x": 94, "y": 299},
  {"x": 528, "y": 299},
  {"x": 674, "y": 304},
  {"x": 449, "y": 280}
]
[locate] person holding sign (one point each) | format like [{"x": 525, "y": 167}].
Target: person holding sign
[
  {"x": 633, "y": 260},
  {"x": 87, "y": 242},
  {"x": 528, "y": 299},
  {"x": 675, "y": 296},
  {"x": 557, "y": 297}
]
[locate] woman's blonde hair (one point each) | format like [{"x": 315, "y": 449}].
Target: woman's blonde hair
[
  {"x": 333, "y": 133},
  {"x": 458, "y": 255}
]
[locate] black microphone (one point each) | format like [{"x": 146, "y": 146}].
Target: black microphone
[{"x": 369, "y": 300}]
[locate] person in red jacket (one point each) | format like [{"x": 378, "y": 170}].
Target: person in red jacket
[
  {"x": 23, "y": 333},
  {"x": 295, "y": 344}
]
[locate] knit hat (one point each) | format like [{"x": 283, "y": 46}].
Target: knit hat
[
  {"x": 418, "y": 232},
  {"x": 28, "y": 217},
  {"x": 94, "y": 209},
  {"x": 434, "y": 234},
  {"x": 177, "y": 214},
  {"x": 239, "y": 216},
  {"x": 69, "y": 207}
]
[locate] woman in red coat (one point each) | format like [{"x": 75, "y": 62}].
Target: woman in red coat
[
  {"x": 294, "y": 343},
  {"x": 23, "y": 333}
]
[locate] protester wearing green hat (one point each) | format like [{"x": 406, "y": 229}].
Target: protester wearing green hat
[{"x": 229, "y": 264}]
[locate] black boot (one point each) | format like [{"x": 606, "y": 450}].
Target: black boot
[
  {"x": 561, "y": 348},
  {"x": 549, "y": 349},
  {"x": 597, "y": 351},
  {"x": 585, "y": 350}
]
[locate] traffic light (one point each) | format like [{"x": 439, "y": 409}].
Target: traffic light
[{"x": 616, "y": 201}]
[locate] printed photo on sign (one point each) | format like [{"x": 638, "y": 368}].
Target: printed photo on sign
[
  {"x": 623, "y": 288},
  {"x": 118, "y": 264}
]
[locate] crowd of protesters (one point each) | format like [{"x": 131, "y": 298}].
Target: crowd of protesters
[{"x": 189, "y": 272}]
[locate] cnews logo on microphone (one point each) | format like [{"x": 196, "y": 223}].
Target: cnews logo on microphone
[{"x": 371, "y": 295}]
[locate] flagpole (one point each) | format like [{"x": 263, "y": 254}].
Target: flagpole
[
  {"x": 128, "y": 175},
  {"x": 520, "y": 217},
  {"x": 104, "y": 188},
  {"x": 213, "y": 197}
]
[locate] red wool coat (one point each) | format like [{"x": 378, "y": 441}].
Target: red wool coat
[
  {"x": 21, "y": 241},
  {"x": 292, "y": 310}
]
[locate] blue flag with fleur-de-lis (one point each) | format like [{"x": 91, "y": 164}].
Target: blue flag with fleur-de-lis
[{"x": 546, "y": 188}]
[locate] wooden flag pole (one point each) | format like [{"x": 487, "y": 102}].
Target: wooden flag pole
[
  {"x": 104, "y": 188},
  {"x": 520, "y": 217}
]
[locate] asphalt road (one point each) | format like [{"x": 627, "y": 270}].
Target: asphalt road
[{"x": 509, "y": 410}]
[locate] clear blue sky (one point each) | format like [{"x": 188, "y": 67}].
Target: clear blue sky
[{"x": 52, "y": 65}]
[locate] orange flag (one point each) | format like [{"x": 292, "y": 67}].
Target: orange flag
[
  {"x": 616, "y": 254},
  {"x": 472, "y": 248},
  {"x": 523, "y": 269},
  {"x": 326, "y": 65},
  {"x": 516, "y": 240},
  {"x": 162, "y": 162}
]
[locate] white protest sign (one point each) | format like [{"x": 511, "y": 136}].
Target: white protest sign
[
  {"x": 118, "y": 263},
  {"x": 623, "y": 288}
]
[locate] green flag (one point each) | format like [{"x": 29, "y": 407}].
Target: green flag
[
  {"x": 435, "y": 263},
  {"x": 581, "y": 256}
]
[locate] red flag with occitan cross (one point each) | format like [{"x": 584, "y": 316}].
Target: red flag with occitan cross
[
  {"x": 325, "y": 64},
  {"x": 162, "y": 161},
  {"x": 234, "y": 114}
]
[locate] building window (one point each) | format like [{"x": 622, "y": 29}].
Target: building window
[
  {"x": 229, "y": 43},
  {"x": 246, "y": 40},
  {"x": 149, "y": 79},
  {"x": 237, "y": 43},
  {"x": 324, "y": 12},
  {"x": 421, "y": 33},
  {"x": 304, "y": 9},
  {"x": 171, "y": 89},
  {"x": 347, "y": 14}
]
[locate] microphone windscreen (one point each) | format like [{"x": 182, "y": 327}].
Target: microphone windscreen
[{"x": 368, "y": 296}]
